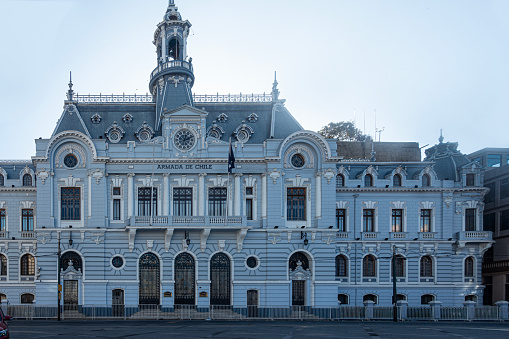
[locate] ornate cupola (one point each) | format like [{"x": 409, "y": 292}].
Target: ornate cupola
[{"x": 171, "y": 81}]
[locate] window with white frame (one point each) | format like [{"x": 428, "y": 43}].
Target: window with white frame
[
  {"x": 396, "y": 180},
  {"x": 368, "y": 220},
  {"x": 426, "y": 266},
  {"x": 296, "y": 203},
  {"x": 369, "y": 266},
  {"x": 470, "y": 219},
  {"x": 400, "y": 266},
  {"x": 117, "y": 203},
  {"x": 249, "y": 202},
  {"x": 27, "y": 264},
  {"x": 397, "y": 220},
  {"x": 3, "y": 220},
  {"x": 341, "y": 219},
  {"x": 27, "y": 220},
  {"x": 426, "y": 180},
  {"x": 145, "y": 199},
  {"x": 469, "y": 267},
  {"x": 182, "y": 201},
  {"x": 70, "y": 203},
  {"x": 217, "y": 201},
  {"x": 425, "y": 220},
  {"x": 341, "y": 266},
  {"x": 3, "y": 265}
]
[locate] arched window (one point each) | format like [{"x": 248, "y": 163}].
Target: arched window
[
  {"x": 400, "y": 297},
  {"x": 27, "y": 180},
  {"x": 426, "y": 180},
  {"x": 369, "y": 266},
  {"x": 69, "y": 258},
  {"x": 220, "y": 279},
  {"x": 396, "y": 180},
  {"x": 471, "y": 297},
  {"x": 341, "y": 266},
  {"x": 27, "y": 298},
  {"x": 340, "y": 181},
  {"x": 469, "y": 267},
  {"x": 27, "y": 264},
  {"x": 343, "y": 299},
  {"x": 2, "y": 183},
  {"x": 370, "y": 297},
  {"x": 3, "y": 265},
  {"x": 427, "y": 298},
  {"x": 174, "y": 49},
  {"x": 368, "y": 180},
  {"x": 400, "y": 266},
  {"x": 296, "y": 258},
  {"x": 426, "y": 266}
]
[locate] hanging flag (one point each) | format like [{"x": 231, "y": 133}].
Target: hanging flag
[{"x": 231, "y": 158}]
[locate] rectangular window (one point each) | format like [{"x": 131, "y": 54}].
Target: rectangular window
[
  {"x": 217, "y": 201},
  {"x": 490, "y": 197},
  {"x": 494, "y": 160},
  {"x": 296, "y": 204},
  {"x": 3, "y": 217},
  {"x": 116, "y": 190},
  {"x": 504, "y": 220},
  {"x": 27, "y": 220},
  {"x": 144, "y": 199},
  {"x": 249, "y": 190},
  {"x": 397, "y": 220},
  {"x": 470, "y": 179},
  {"x": 504, "y": 188},
  {"x": 249, "y": 209},
  {"x": 341, "y": 219},
  {"x": 368, "y": 220},
  {"x": 182, "y": 202},
  {"x": 70, "y": 201},
  {"x": 425, "y": 221},
  {"x": 470, "y": 219},
  {"x": 489, "y": 222},
  {"x": 116, "y": 209}
]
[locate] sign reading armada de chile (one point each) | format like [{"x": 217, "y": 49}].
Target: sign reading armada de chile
[{"x": 185, "y": 167}]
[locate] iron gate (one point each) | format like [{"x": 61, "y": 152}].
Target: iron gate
[
  {"x": 184, "y": 279},
  {"x": 220, "y": 279},
  {"x": 298, "y": 292},
  {"x": 117, "y": 302},
  {"x": 149, "y": 279},
  {"x": 70, "y": 294}
]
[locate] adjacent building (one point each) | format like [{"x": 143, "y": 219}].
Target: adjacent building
[{"x": 136, "y": 194}]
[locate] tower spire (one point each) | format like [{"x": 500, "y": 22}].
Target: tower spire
[
  {"x": 275, "y": 91},
  {"x": 70, "y": 92}
]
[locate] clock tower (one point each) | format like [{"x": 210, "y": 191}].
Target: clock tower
[{"x": 173, "y": 78}]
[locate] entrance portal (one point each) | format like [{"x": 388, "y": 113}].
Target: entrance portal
[
  {"x": 220, "y": 279},
  {"x": 149, "y": 270},
  {"x": 184, "y": 279}
]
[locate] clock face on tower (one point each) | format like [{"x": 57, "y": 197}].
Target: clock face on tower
[{"x": 184, "y": 140}]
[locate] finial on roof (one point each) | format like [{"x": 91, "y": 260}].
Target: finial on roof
[
  {"x": 275, "y": 91},
  {"x": 70, "y": 92},
  {"x": 172, "y": 2},
  {"x": 441, "y": 139}
]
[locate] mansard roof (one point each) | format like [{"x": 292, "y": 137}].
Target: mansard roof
[
  {"x": 448, "y": 160},
  {"x": 14, "y": 168},
  {"x": 94, "y": 119}
]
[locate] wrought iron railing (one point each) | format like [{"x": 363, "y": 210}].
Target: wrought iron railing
[
  {"x": 172, "y": 64},
  {"x": 189, "y": 312},
  {"x": 148, "y": 98},
  {"x": 233, "y": 98},
  {"x": 497, "y": 266}
]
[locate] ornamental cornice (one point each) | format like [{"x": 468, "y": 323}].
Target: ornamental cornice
[
  {"x": 18, "y": 189},
  {"x": 183, "y": 161}
]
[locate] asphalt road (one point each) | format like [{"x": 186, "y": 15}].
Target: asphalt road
[{"x": 253, "y": 329}]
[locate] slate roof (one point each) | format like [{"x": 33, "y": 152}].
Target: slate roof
[
  {"x": 448, "y": 160},
  {"x": 285, "y": 123},
  {"x": 13, "y": 169}
]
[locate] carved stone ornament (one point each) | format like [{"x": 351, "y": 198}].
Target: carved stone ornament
[
  {"x": 127, "y": 118},
  {"x": 329, "y": 237},
  {"x": 448, "y": 199},
  {"x": 458, "y": 208},
  {"x": 274, "y": 175},
  {"x": 44, "y": 237},
  {"x": 97, "y": 175},
  {"x": 252, "y": 118},
  {"x": 222, "y": 118},
  {"x": 97, "y": 237},
  {"x": 329, "y": 174},
  {"x": 96, "y": 118},
  {"x": 274, "y": 238},
  {"x": 71, "y": 273},
  {"x": 70, "y": 109},
  {"x": 300, "y": 273},
  {"x": 43, "y": 175},
  {"x": 144, "y": 132}
]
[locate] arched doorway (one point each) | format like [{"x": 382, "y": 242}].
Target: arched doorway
[
  {"x": 184, "y": 279},
  {"x": 299, "y": 273},
  {"x": 149, "y": 274},
  {"x": 71, "y": 267},
  {"x": 220, "y": 279}
]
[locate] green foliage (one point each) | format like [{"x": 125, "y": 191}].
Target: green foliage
[{"x": 344, "y": 131}]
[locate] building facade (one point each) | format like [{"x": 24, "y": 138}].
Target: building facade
[
  {"x": 136, "y": 194},
  {"x": 496, "y": 220}
]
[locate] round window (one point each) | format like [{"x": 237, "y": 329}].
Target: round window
[
  {"x": 117, "y": 261},
  {"x": 144, "y": 136},
  {"x": 242, "y": 136},
  {"x": 298, "y": 160},
  {"x": 114, "y": 136},
  {"x": 252, "y": 262},
  {"x": 70, "y": 161}
]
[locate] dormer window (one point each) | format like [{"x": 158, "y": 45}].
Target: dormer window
[
  {"x": 426, "y": 180},
  {"x": 368, "y": 180},
  {"x": 396, "y": 180},
  {"x": 27, "y": 180},
  {"x": 470, "y": 179}
]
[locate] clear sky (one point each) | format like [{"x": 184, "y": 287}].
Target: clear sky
[{"x": 422, "y": 65}]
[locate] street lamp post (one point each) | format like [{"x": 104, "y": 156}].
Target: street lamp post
[{"x": 394, "y": 291}]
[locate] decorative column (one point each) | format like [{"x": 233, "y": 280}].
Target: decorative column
[
  {"x": 163, "y": 43},
  {"x": 264, "y": 195},
  {"x": 89, "y": 195},
  {"x": 166, "y": 194},
  {"x": 237, "y": 194},
  {"x": 130, "y": 195},
  {"x": 201, "y": 194},
  {"x": 318, "y": 195}
]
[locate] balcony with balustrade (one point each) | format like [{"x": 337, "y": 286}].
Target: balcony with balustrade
[
  {"x": 474, "y": 236},
  {"x": 176, "y": 67},
  {"x": 186, "y": 221}
]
